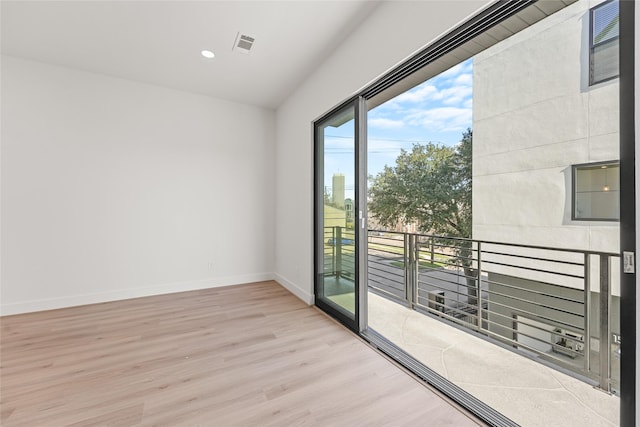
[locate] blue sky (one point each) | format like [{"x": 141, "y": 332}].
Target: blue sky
[{"x": 437, "y": 111}]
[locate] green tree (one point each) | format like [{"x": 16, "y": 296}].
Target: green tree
[{"x": 430, "y": 185}]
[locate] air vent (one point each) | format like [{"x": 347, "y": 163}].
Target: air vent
[{"x": 243, "y": 43}]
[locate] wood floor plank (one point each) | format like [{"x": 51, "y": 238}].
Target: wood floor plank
[{"x": 241, "y": 355}]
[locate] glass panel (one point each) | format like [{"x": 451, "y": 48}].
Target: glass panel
[
  {"x": 606, "y": 22},
  {"x": 604, "y": 60},
  {"x": 336, "y": 136},
  {"x": 605, "y": 30},
  {"x": 514, "y": 270},
  {"x": 597, "y": 192}
]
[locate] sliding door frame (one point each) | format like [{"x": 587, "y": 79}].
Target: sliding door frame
[
  {"x": 628, "y": 231},
  {"x": 359, "y": 322}
]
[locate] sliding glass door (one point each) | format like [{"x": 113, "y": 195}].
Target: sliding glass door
[
  {"x": 488, "y": 185},
  {"x": 338, "y": 216}
]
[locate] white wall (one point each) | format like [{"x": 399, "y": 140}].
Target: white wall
[
  {"x": 392, "y": 32},
  {"x": 114, "y": 189}
]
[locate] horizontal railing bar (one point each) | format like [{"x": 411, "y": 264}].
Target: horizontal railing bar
[
  {"x": 425, "y": 249},
  {"x": 519, "y": 343},
  {"x": 448, "y": 311},
  {"x": 448, "y": 275},
  {"x": 538, "y": 316},
  {"x": 449, "y": 298},
  {"x": 549, "y": 307},
  {"x": 445, "y": 313},
  {"x": 386, "y": 294},
  {"x": 440, "y": 259},
  {"x": 391, "y": 239},
  {"x": 538, "y": 270},
  {"x": 427, "y": 246},
  {"x": 393, "y": 270},
  {"x": 555, "y": 334},
  {"x": 548, "y": 356},
  {"x": 437, "y": 313},
  {"x": 540, "y": 293},
  {"x": 580, "y": 264},
  {"x": 378, "y": 266},
  {"x": 460, "y": 307},
  {"x": 386, "y": 287},
  {"x": 447, "y": 272},
  {"x": 399, "y": 286},
  {"x": 445, "y": 281},
  {"x": 424, "y": 287},
  {"x": 549, "y": 320},
  {"x": 423, "y": 292},
  {"x": 511, "y": 319},
  {"x": 394, "y": 279},
  {"x": 388, "y": 252},
  {"x": 516, "y": 245},
  {"x": 385, "y": 291},
  {"x": 540, "y": 340}
]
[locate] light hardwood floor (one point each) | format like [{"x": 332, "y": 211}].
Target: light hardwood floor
[{"x": 249, "y": 355}]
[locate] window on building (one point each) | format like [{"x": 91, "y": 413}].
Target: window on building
[
  {"x": 596, "y": 192},
  {"x": 603, "y": 42}
]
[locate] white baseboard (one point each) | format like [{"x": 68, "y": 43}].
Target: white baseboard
[
  {"x": 295, "y": 289},
  {"x": 121, "y": 294}
]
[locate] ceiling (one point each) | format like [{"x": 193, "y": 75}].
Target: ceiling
[{"x": 159, "y": 42}]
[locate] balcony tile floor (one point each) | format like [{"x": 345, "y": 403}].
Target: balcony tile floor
[{"x": 527, "y": 392}]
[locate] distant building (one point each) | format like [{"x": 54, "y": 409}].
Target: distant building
[
  {"x": 337, "y": 193},
  {"x": 349, "y": 210}
]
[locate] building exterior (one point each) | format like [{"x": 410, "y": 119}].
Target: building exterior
[
  {"x": 349, "y": 211},
  {"x": 545, "y": 158},
  {"x": 337, "y": 191},
  {"x": 522, "y": 172}
]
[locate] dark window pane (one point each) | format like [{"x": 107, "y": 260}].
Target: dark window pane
[
  {"x": 597, "y": 192},
  {"x": 604, "y": 62}
]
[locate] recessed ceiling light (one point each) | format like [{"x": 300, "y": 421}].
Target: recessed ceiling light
[{"x": 208, "y": 54}]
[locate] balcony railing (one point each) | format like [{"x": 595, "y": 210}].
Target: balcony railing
[
  {"x": 558, "y": 306},
  {"x": 339, "y": 251}
]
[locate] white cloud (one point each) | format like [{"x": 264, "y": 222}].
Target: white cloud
[
  {"x": 441, "y": 104},
  {"x": 383, "y": 123},
  {"x": 456, "y": 95},
  {"x": 465, "y": 67},
  {"x": 443, "y": 119},
  {"x": 451, "y": 91},
  {"x": 464, "y": 79},
  {"x": 419, "y": 94}
]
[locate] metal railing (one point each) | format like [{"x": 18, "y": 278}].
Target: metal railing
[
  {"x": 339, "y": 252},
  {"x": 551, "y": 304}
]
